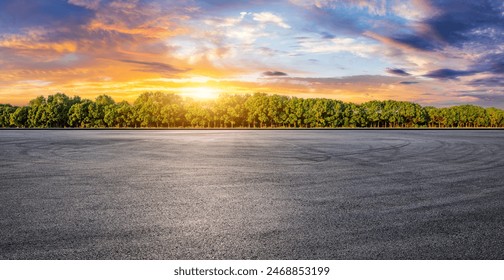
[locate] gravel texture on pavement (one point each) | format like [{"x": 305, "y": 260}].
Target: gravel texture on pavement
[{"x": 251, "y": 194}]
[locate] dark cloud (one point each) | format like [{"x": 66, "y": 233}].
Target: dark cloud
[
  {"x": 347, "y": 80},
  {"x": 408, "y": 82},
  {"x": 398, "y": 71},
  {"x": 457, "y": 19},
  {"x": 16, "y": 15},
  {"x": 492, "y": 63},
  {"x": 154, "y": 66},
  {"x": 488, "y": 82},
  {"x": 456, "y": 23},
  {"x": 274, "y": 74},
  {"x": 47, "y": 30},
  {"x": 486, "y": 99},
  {"x": 448, "y": 74},
  {"x": 327, "y": 35},
  {"x": 418, "y": 42}
]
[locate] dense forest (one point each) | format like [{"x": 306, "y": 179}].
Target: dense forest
[{"x": 260, "y": 110}]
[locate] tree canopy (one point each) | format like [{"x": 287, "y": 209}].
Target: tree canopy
[{"x": 258, "y": 110}]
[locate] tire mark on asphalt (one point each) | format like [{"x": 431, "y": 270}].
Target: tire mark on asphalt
[{"x": 318, "y": 155}]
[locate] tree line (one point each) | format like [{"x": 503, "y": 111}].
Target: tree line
[{"x": 258, "y": 110}]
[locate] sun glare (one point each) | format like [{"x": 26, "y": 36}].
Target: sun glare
[{"x": 201, "y": 92}]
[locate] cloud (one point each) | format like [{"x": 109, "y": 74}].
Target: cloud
[
  {"x": 449, "y": 74},
  {"x": 274, "y": 74},
  {"x": 156, "y": 67},
  {"x": 377, "y": 7},
  {"x": 324, "y": 19},
  {"x": 267, "y": 17},
  {"x": 75, "y": 36},
  {"x": 223, "y": 22},
  {"x": 360, "y": 80},
  {"x": 485, "y": 99},
  {"x": 360, "y": 48},
  {"x": 89, "y": 4},
  {"x": 149, "y": 19},
  {"x": 36, "y": 83},
  {"x": 398, "y": 71},
  {"x": 78, "y": 25},
  {"x": 491, "y": 82},
  {"x": 221, "y": 4},
  {"x": 327, "y": 35},
  {"x": 360, "y": 88},
  {"x": 420, "y": 35},
  {"x": 75, "y": 42},
  {"x": 35, "y": 41},
  {"x": 490, "y": 64},
  {"x": 412, "y": 10},
  {"x": 422, "y": 42},
  {"x": 42, "y": 14},
  {"x": 455, "y": 23},
  {"x": 493, "y": 63},
  {"x": 445, "y": 36},
  {"x": 458, "y": 19}
]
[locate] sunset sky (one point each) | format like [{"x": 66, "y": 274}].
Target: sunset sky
[{"x": 431, "y": 52}]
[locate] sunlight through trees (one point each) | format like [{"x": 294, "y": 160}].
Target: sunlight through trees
[{"x": 258, "y": 110}]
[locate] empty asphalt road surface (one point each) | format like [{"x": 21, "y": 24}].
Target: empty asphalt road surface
[{"x": 252, "y": 194}]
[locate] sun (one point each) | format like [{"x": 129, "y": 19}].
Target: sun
[{"x": 201, "y": 92}]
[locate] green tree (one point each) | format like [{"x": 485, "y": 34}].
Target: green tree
[
  {"x": 79, "y": 115},
  {"x": 276, "y": 110},
  {"x": 495, "y": 117},
  {"x": 5, "y": 114},
  {"x": 294, "y": 112},
  {"x": 434, "y": 117},
  {"x": 150, "y": 109},
  {"x": 373, "y": 111},
  {"x": 19, "y": 118},
  {"x": 257, "y": 107},
  {"x": 57, "y": 109},
  {"x": 354, "y": 116},
  {"x": 156, "y": 109},
  {"x": 125, "y": 114},
  {"x": 97, "y": 110},
  {"x": 197, "y": 114},
  {"x": 37, "y": 113}
]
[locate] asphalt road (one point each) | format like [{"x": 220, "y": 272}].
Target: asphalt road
[{"x": 287, "y": 194}]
